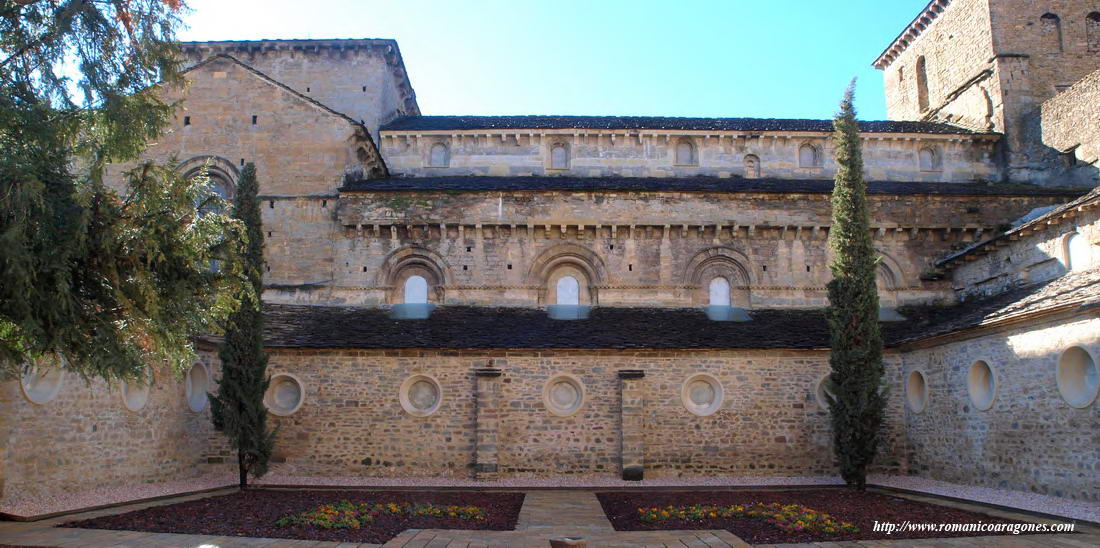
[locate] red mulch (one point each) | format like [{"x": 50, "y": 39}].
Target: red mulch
[
  {"x": 253, "y": 514},
  {"x": 862, "y": 509}
]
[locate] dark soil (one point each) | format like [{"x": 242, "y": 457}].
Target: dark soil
[
  {"x": 862, "y": 509},
  {"x": 254, "y": 513}
]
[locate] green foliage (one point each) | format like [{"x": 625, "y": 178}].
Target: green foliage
[
  {"x": 857, "y": 404},
  {"x": 115, "y": 278},
  {"x": 238, "y": 408}
]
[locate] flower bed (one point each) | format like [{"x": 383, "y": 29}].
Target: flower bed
[
  {"x": 793, "y": 518},
  {"x": 785, "y": 515},
  {"x": 337, "y": 516},
  {"x": 350, "y": 515}
]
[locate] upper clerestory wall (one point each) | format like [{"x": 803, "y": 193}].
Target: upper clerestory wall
[{"x": 653, "y": 147}]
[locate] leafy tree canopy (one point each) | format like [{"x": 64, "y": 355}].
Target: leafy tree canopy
[{"x": 112, "y": 275}]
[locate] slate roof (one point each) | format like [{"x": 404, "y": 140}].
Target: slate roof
[
  {"x": 1074, "y": 290},
  {"x": 483, "y": 328},
  {"x": 467, "y": 327},
  {"x": 459, "y": 123},
  {"x": 1069, "y": 209},
  {"x": 690, "y": 184}
]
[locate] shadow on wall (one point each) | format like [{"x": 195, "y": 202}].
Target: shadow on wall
[{"x": 1050, "y": 166}]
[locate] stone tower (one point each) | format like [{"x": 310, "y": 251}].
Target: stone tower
[{"x": 989, "y": 65}]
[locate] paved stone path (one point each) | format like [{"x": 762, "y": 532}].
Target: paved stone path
[{"x": 545, "y": 514}]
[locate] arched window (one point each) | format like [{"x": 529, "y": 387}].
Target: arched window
[
  {"x": 1077, "y": 252},
  {"x": 416, "y": 290},
  {"x": 929, "y": 159},
  {"x": 808, "y": 156},
  {"x": 752, "y": 166},
  {"x": 568, "y": 291},
  {"x": 719, "y": 292},
  {"x": 559, "y": 156},
  {"x": 685, "y": 153},
  {"x": 1050, "y": 27},
  {"x": 922, "y": 84},
  {"x": 439, "y": 156},
  {"x": 1092, "y": 30}
]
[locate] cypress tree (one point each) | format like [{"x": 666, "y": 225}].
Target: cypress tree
[
  {"x": 238, "y": 408},
  {"x": 857, "y": 404}
]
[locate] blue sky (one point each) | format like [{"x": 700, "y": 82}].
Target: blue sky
[{"x": 771, "y": 58}]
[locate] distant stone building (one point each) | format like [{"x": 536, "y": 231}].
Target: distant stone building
[{"x": 502, "y": 296}]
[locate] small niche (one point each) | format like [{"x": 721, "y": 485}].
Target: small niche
[
  {"x": 509, "y": 266},
  {"x": 468, "y": 249},
  {"x": 242, "y": 162},
  {"x": 611, "y": 247},
  {"x": 324, "y": 203},
  {"x": 186, "y": 120},
  {"x": 364, "y": 89},
  {"x": 364, "y": 269},
  {"x": 271, "y": 204},
  {"x": 465, "y": 267},
  {"x": 765, "y": 267},
  {"x": 630, "y": 268},
  {"x": 253, "y": 119}
]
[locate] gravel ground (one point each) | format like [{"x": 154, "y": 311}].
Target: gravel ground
[
  {"x": 1089, "y": 511},
  {"x": 65, "y": 502},
  {"x": 1077, "y": 509}
]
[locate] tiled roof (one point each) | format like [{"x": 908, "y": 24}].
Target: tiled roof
[
  {"x": 691, "y": 184},
  {"x": 1071, "y": 291},
  {"x": 1068, "y": 210},
  {"x": 466, "y": 327},
  {"x": 458, "y": 123},
  {"x": 462, "y": 327}
]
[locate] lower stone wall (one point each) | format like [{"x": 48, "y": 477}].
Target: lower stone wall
[
  {"x": 86, "y": 438},
  {"x": 1030, "y": 439},
  {"x": 352, "y": 422}
]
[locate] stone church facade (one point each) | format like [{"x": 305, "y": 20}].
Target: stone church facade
[{"x": 624, "y": 297}]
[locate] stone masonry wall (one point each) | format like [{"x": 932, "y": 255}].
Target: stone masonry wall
[
  {"x": 491, "y": 249},
  {"x": 1036, "y": 257},
  {"x": 352, "y": 423},
  {"x": 1071, "y": 125},
  {"x": 86, "y": 438},
  {"x": 887, "y": 157},
  {"x": 1030, "y": 439},
  {"x": 957, "y": 48},
  {"x": 364, "y": 79}
]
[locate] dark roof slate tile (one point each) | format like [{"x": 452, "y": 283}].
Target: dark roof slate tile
[
  {"x": 460, "y": 123},
  {"x": 689, "y": 184}
]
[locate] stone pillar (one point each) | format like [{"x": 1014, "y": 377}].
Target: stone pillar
[
  {"x": 632, "y": 423},
  {"x": 488, "y": 422}
]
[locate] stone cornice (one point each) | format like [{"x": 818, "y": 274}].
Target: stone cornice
[{"x": 922, "y": 21}]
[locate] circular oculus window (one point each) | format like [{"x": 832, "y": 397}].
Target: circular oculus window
[
  {"x": 42, "y": 380},
  {"x": 135, "y": 394},
  {"x": 421, "y": 395},
  {"x": 285, "y": 395},
  {"x": 981, "y": 384},
  {"x": 916, "y": 392},
  {"x": 197, "y": 384},
  {"x": 702, "y": 394},
  {"x": 1078, "y": 377},
  {"x": 563, "y": 395}
]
